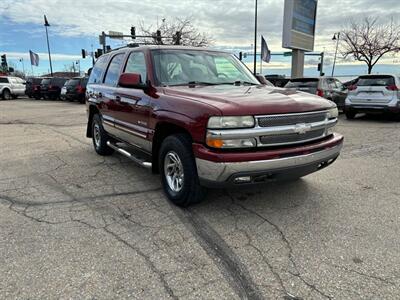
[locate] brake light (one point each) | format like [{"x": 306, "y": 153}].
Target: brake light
[
  {"x": 80, "y": 89},
  {"x": 320, "y": 93},
  {"x": 50, "y": 86},
  {"x": 352, "y": 87},
  {"x": 392, "y": 87}
]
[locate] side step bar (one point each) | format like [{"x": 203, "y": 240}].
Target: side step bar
[{"x": 137, "y": 160}]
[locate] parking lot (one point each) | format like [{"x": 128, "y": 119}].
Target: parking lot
[{"x": 75, "y": 225}]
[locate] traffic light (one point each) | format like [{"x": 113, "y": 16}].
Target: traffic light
[
  {"x": 83, "y": 53},
  {"x": 158, "y": 36},
  {"x": 177, "y": 38},
  {"x": 133, "y": 32},
  {"x": 4, "y": 61},
  {"x": 240, "y": 55},
  {"x": 319, "y": 67}
]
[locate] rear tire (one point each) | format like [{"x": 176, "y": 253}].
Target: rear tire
[
  {"x": 6, "y": 95},
  {"x": 178, "y": 171},
  {"x": 100, "y": 137}
]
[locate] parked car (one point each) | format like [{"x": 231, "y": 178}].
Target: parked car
[
  {"x": 372, "y": 94},
  {"x": 277, "y": 80},
  {"x": 201, "y": 119},
  {"x": 326, "y": 87},
  {"x": 11, "y": 87},
  {"x": 33, "y": 87},
  {"x": 50, "y": 88},
  {"x": 74, "y": 89}
]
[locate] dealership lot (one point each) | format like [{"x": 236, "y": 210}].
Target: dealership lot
[{"x": 77, "y": 225}]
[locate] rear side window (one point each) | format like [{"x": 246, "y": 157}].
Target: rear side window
[
  {"x": 137, "y": 64},
  {"x": 113, "y": 70},
  {"x": 3, "y": 80},
  {"x": 304, "y": 82},
  {"x": 72, "y": 82},
  {"x": 97, "y": 71},
  {"x": 379, "y": 80}
]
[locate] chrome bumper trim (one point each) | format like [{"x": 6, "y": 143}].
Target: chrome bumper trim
[{"x": 220, "y": 172}]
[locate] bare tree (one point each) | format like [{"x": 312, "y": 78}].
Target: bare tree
[
  {"x": 190, "y": 35},
  {"x": 367, "y": 40}
]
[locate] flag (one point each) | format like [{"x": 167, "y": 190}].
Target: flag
[
  {"x": 34, "y": 58},
  {"x": 46, "y": 23},
  {"x": 265, "y": 52}
]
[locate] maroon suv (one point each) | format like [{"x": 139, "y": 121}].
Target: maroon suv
[{"x": 201, "y": 119}]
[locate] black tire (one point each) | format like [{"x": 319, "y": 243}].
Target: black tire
[
  {"x": 6, "y": 95},
  {"x": 350, "y": 115},
  {"x": 100, "y": 137},
  {"x": 191, "y": 191}
]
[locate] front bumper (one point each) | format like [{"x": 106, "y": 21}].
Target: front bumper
[{"x": 279, "y": 166}]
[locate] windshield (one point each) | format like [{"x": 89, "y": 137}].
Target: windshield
[
  {"x": 180, "y": 67},
  {"x": 311, "y": 83},
  {"x": 376, "y": 81},
  {"x": 72, "y": 82}
]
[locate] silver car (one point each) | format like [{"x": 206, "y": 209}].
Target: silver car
[
  {"x": 373, "y": 93},
  {"x": 11, "y": 87}
]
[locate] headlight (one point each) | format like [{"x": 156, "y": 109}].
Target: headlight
[
  {"x": 333, "y": 113},
  {"x": 231, "y": 122}
]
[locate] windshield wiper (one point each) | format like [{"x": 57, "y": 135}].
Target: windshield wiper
[
  {"x": 202, "y": 83},
  {"x": 240, "y": 82}
]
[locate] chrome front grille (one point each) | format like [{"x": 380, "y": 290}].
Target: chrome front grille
[
  {"x": 292, "y": 119},
  {"x": 291, "y": 138}
]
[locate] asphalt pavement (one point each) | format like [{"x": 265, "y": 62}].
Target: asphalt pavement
[{"x": 75, "y": 225}]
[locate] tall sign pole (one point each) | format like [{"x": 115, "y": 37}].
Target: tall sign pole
[
  {"x": 337, "y": 46},
  {"x": 46, "y": 24},
  {"x": 255, "y": 38}
]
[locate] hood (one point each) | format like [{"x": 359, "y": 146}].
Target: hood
[{"x": 251, "y": 100}]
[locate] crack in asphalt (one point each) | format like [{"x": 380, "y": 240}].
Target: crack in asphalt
[
  {"x": 218, "y": 250},
  {"x": 287, "y": 245}
]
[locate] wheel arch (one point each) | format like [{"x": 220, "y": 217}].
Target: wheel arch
[
  {"x": 92, "y": 110},
  {"x": 162, "y": 131}
]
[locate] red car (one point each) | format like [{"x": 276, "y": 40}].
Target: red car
[{"x": 201, "y": 119}]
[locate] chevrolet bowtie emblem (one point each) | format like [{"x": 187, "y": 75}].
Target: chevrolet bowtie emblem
[{"x": 302, "y": 128}]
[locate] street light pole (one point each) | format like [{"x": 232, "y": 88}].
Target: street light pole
[
  {"x": 255, "y": 38},
  {"x": 337, "y": 46},
  {"x": 46, "y": 24}
]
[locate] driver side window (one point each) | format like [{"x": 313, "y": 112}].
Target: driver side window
[{"x": 137, "y": 64}]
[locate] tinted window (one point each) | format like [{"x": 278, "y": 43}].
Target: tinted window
[
  {"x": 113, "y": 70},
  {"x": 97, "y": 71},
  {"x": 303, "y": 82},
  {"x": 137, "y": 64},
  {"x": 379, "y": 80},
  {"x": 72, "y": 82},
  {"x": 46, "y": 81},
  {"x": 3, "y": 80}
]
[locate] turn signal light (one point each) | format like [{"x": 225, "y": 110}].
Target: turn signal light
[{"x": 215, "y": 143}]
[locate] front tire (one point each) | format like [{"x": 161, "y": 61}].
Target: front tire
[
  {"x": 100, "y": 137},
  {"x": 350, "y": 115},
  {"x": 178, "y": 171}
]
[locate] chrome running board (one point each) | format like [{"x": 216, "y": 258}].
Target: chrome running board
[{"x": 129, "y": 155}]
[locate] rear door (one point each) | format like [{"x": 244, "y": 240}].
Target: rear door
[
  {"x": 106, "y": 92},
  {"x": 374, "y": 89}
]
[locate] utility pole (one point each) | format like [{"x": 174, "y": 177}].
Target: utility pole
[
  {"x": 255, "y": 38},
  {"x": 337, "y": 46},
  {"x": 46, "y": 24}
]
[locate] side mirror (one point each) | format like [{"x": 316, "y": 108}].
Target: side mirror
[{"x": 131, "y": 80}]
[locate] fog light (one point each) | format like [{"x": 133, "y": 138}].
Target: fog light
[{"x": 243, "y": 179}]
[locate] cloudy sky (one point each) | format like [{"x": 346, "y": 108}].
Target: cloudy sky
[{"x": 76, "y": 24}]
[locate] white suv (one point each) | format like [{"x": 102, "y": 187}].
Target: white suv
[
  {"x": 11, "y": 87},
  {"x": 374, "y": 93}
]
